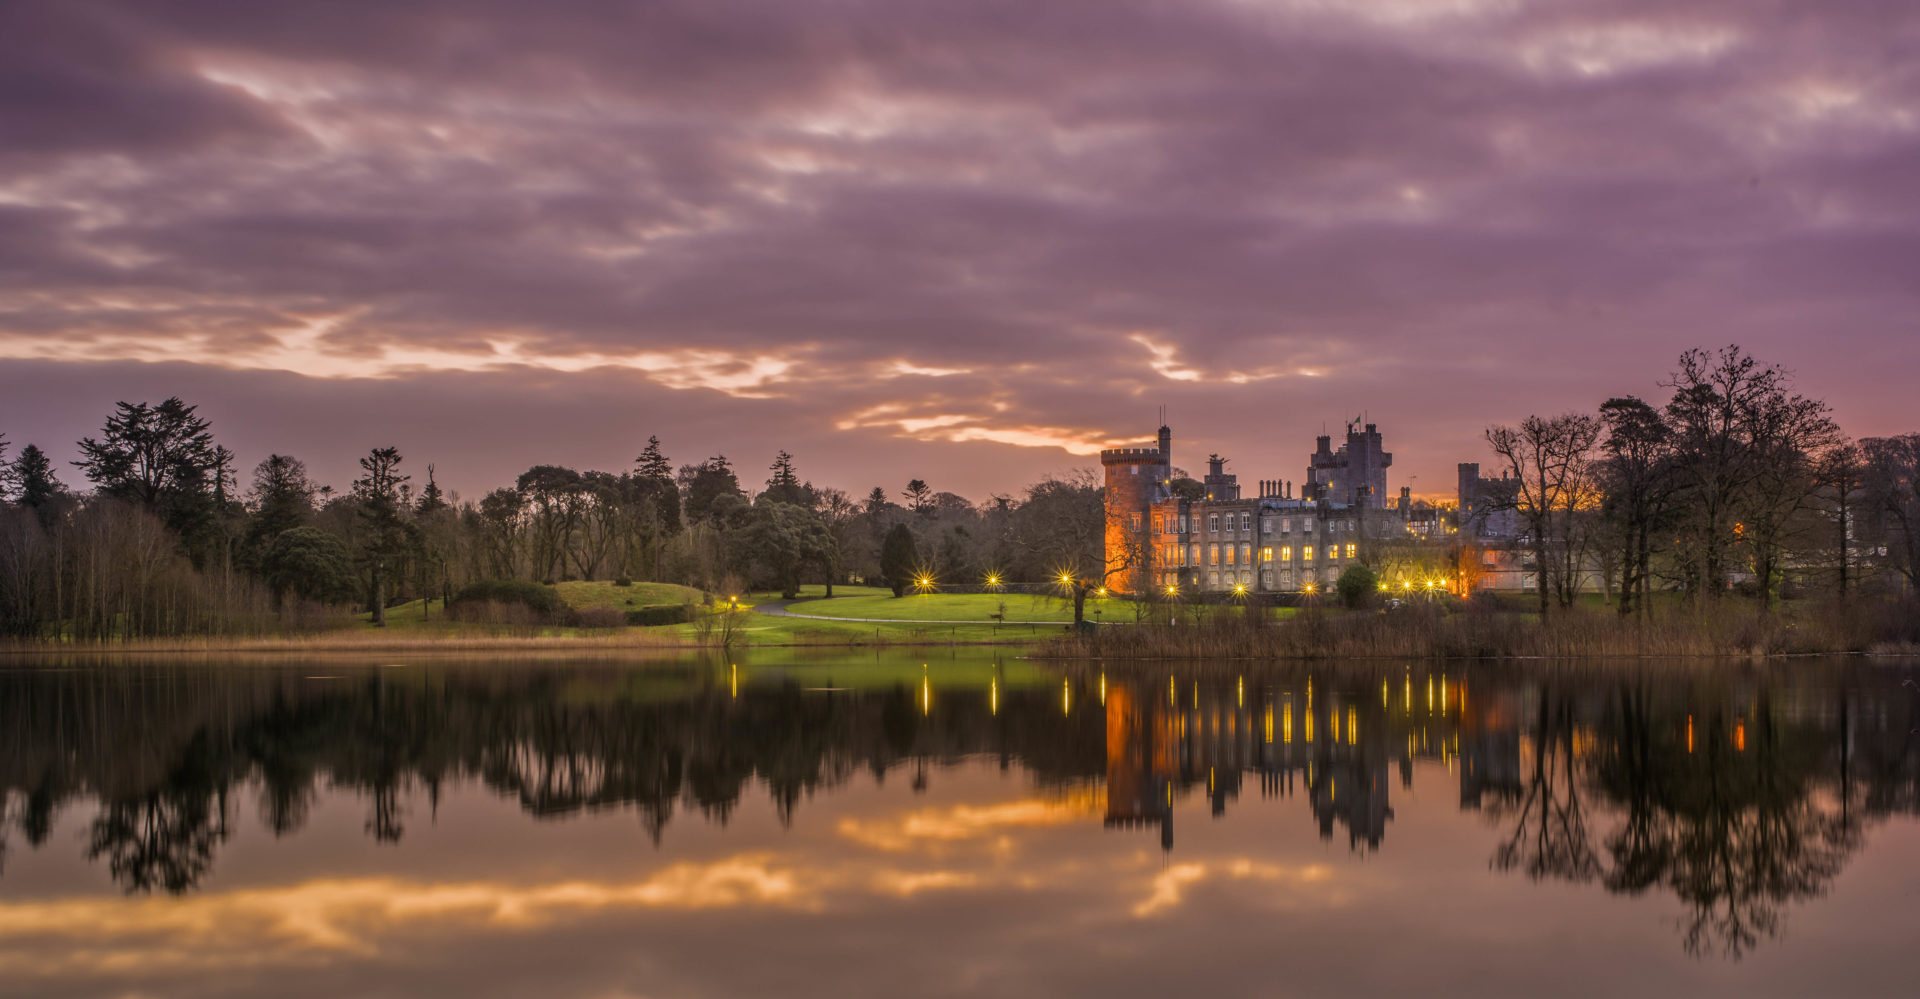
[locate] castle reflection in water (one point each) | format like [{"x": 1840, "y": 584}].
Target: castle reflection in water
[{"x": 1341, "y": 753}]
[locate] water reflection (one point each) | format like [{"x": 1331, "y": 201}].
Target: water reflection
[{"x": 1736, "y": 793}]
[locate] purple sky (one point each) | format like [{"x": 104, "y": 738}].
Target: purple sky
[{"x": 966, "y": 241}]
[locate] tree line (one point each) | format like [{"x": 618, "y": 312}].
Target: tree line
[
  {"x": 1736, "y": 482},
  {"x": 165, "y": 539}
]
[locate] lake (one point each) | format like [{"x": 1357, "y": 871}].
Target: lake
[{"x": 959, "y": 823}]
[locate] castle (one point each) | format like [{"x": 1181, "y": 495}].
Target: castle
[{"x": 1166, "y": 535}]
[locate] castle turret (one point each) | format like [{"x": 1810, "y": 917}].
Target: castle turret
[{"x": 1135, "y": 478}]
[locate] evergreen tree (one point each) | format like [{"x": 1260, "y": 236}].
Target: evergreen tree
[
  {"x": 378, "y": 491},
  {"x": 658, "y": 489},
  {"x": 34, "y": 483},
  {"x": 309, "y": 563},
  {"x": 148, "y": 453},
  {"x": 652, "y": 464},
  {"x": 898, "y": 558},
  {"x": 282, "y": 500},
  {"x": 162, "y": 458},
  {"x": 432, "y": 500},
  {"x": 784, "y": 485},
  {"x": 780, "y": 541},
  {"x": 919, "y": 496},
  {"x": 705, "y": 486}
]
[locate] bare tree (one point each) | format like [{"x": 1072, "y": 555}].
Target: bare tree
[
  {"x": 1893, "y": 493},
  {"x": 1552, "y": 457},
  {"x": 1064, "y": 523},
  {"x": 1637, "y": 477},
  {"x": 1839, "y": 478},
  {"x": 1739, "y": 432}
]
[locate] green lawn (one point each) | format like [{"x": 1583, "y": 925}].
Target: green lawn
[
  {"x": 1020, "y": 608},
  {"x": 968, "y": 626}
]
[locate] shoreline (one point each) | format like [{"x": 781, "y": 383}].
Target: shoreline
[{"x": 501, "y": 643}]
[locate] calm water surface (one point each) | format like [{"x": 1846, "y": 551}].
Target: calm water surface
[{"x": 883, "y": 826}]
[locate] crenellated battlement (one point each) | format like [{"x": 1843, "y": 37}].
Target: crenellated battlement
[{"x": 1132, "y": 456}]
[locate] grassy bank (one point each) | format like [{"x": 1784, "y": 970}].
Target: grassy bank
[
  {"x": 421, "y": 626},
  {"x": 979, "y": 608},
  {"x": 1729, "y": 629}
]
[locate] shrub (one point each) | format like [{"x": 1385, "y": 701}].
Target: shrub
[
  {"x": 542, "y": 601},
  {"x": 604, "y": 618},
  {"x": 495, "y": 614},
  {"x": 623, "y": 581},
  {"x": 649, "y": 617},
  {"x": 1357, "y": 585}
]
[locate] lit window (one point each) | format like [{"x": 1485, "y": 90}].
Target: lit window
[
  {"x": 1159, "y": 524},
  {"x": 1193, "y": 555},
  {"x": 1266, "y": 554},
  {"x": 1350, "y": 550},
  {"x": 1246, "y": 554},
  {"x": 1229, "y": 554},
  {"x": 1306, "y": 553},
  {"x": 1286, "y": 553},
  {"x": 1213, "y": 554}
]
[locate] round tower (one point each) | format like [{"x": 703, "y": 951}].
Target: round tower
[{"x": 1135, "y": 478}]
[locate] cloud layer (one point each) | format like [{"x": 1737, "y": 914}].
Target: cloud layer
[{"x": 968, "y": 241}]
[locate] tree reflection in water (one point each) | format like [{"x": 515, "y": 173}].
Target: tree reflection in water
[
  {"x": 1724, "y": 812},
  {"x": 1738, "y": 794}
]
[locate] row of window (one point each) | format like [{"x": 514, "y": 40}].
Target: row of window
[
  {"x": 1187, "y": 555},
  {"x": 1182, "y": 524},
  {"x": 1217, "y": 580}
]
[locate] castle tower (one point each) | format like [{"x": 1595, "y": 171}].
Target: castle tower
[
  {"x": 1342, "y": 475},
  {"x": 1135, "y": 478},
  {"x": 1221, "y": 484}
]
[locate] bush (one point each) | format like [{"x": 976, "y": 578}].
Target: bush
[
  {"x": 1357, "y": 585},
  {"x": 541, "y": 600},
  {"x": 603, "y": 618},
  {"x": 495, "y": 614},
  {"x": 623, "y": 581},
  {"x": 649, "y": 617}
]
